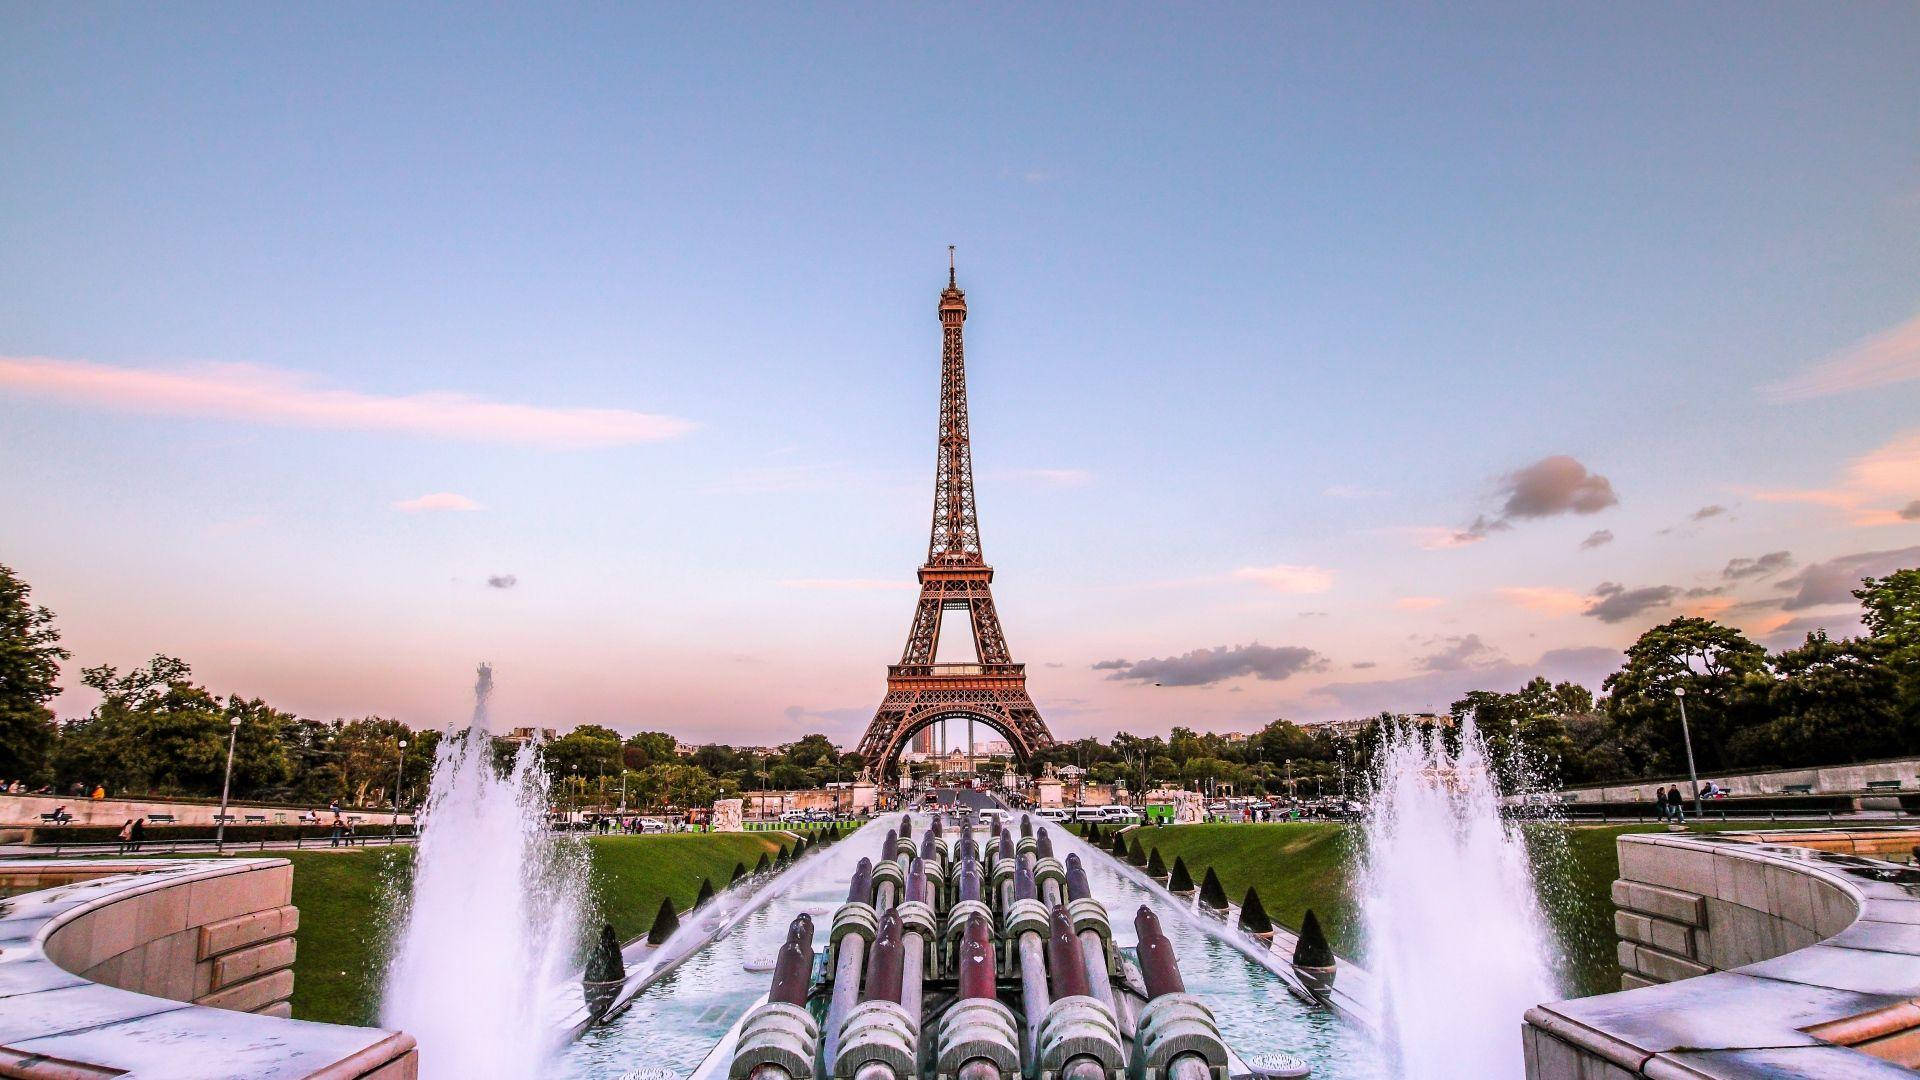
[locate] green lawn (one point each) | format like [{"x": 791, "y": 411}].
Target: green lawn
[
  {"x": 1308, "y": 864},
  {"x": 345, "y": 901}
]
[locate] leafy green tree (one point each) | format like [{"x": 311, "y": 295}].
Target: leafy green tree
[
  {"x": 30, "y": 656},
  {"x": 1726, "y": 680},
  {"x": 1892, "y": 616},
  {"x": 1835, "y": 701},
  {"x": 649, "y": 748},
  {"x": 157, "y": 732}
]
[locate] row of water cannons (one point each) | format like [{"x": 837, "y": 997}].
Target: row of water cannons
[{"x": 935, "y": 939}]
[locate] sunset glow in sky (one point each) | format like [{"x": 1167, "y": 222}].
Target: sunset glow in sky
[{"x": 1322, "y": 361}]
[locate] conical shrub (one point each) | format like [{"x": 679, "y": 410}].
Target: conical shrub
[
  {"x": 1119, "y": 845},
  {"x": 783, "y": 858},
  {"x": 1136, "y": 854},
  {"x": 665, "y": 922},
  {"x": 1312, "y": 950},
  {"x": 706, "y": 893},
  {"x": 1155, "y": 866},
  {"x": 739, "y": 871},
  {"x": 1182, "y": 881},
  {"x": 1253, "y": 914},
  {"x": 763, "y": 865},
  {"x": 800, "y": 847},
  {"x": 1212, "y": 893}
]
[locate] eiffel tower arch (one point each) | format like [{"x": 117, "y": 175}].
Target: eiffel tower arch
[{"x": 992, "y": 690}]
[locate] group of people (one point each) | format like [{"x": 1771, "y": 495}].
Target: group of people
[
  {"x": 132, "y": 833},
  {"x": 1670, "y": 803}
]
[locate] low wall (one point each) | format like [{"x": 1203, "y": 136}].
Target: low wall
[
  {"x": 165, "y": 968},
  {"x": 1750, "y": 955},
  {"x": 23, "y": 811},
  {"x": 1827, "y": 780}
]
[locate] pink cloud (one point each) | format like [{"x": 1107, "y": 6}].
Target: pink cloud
[
  {"x": 1873, "y": 488},
  {"x": 1877, "y": 361},
  {"x": 291, "y": 399},
  {"x": 442, "y": 500},
  {"x": 1545, "y": 599},
  {"x": 1418, "y": 603},
  {"x": 1287, "y": 578}
]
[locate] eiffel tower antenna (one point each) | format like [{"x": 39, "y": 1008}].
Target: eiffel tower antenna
[{"x": 993, "y": 689}]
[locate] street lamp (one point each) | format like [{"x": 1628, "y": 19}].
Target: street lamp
[
  {"x": 399, "y": 777},
  {"x": 1686, "y": 736},
  {"x": 226, "y": 785}
]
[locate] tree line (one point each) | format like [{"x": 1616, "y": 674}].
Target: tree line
[{"x": 1824, "y": 701}]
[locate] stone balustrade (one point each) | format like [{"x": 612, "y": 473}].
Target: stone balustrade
[
  {"x": 165, "y": 969},
  {"x": 1746, "y": 957}
]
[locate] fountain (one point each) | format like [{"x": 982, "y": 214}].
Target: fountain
[
  {"x": 486, "y": 953},
  {"x": 1454, "y": 934}
]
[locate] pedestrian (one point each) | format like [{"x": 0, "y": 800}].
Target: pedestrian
[
  {"x": 1660, "y": 801},
  {"x": 1675, "y": 807},
  {"x": 139, "y": 831},
  {"x": 338, "y": 828},
  {"x": 126, "y": 836}
]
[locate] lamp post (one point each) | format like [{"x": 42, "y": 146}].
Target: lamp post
[
  {"x": 1686, "y": 736},
  {"x": 399, "y": 777},
  {"x": 226, "y": 785}
]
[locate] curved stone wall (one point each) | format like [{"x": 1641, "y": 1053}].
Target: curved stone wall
[
  {"x": 1747, "y": 959},
  {"x": 165, "y": 968}
]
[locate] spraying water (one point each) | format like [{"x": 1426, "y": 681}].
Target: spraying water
[
  {"x": 1455, "y": 934},
  {"x": 487, "y": 946}
]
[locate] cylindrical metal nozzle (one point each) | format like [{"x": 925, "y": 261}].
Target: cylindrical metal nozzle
[
  {"x": 793, "y": 968},
  {"x": 1043, "y": 844},
  {"x": 1026, "y": 825},
  {"x": 1023, "y": 887},
  {"x": 917, "y": 880},
  {"x": 861, "y": 889},
  {"x": 976, "y": 959},
  {"x": 1077, "y": 886},
  {"x": 1158, "y": 968},
  {"x": 970, "y": 880},
  {"x": 1065, "y": 966},
  {"x": 883, "y": 962}
]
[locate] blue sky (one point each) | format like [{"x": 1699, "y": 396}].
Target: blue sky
[{"x": 1268, "y": 306}]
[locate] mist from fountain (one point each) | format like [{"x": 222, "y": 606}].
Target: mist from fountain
[
  {"x": 1455, "y": 934},
  {"x": 487, "y": 947}
]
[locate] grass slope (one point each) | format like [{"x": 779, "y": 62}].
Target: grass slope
[{"x": 1297, "y": 865}]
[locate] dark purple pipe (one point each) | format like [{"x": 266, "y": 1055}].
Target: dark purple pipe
[
  {"x": 934, "y": 826},
  {"x": 861, "y": 890},
  {"x": 970, "y": 880},
  {"x": 906, "y": 825},
  {"x": 1158, "y": 969},
  {"x": 793, "y": 969},
  {"x": 976, "y": 958},
  {"x": 929, "y": 846},
  {"x": 884, "y": 962},
  {"x": 1043, "y": 846},
  {"x": 886, "y": 852},
  {"x": 1077, "y": 887},
  {"x": 917, "y": 880},
  {"x": 1067, "y": 966},
  {"x": 1026, "y": 826},
  {"x": 1023, "y": 881}
]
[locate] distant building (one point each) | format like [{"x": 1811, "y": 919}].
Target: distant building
[
  {"x": 526, "y": 735},
  {"x": 1347, "y": 729}
]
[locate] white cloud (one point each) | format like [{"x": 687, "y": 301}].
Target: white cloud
[
  {"x": 1880, "y": 360},
  {"x": 1874, "y": 487},
  {"x": 440, "y": 500},
  {"x": 265, "y": 395},
  {"x": 1288, "y": 579}
]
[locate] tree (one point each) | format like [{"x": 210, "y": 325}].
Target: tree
[
  {"x": 1726, "y": 679},
  {"x": 649, "y": 748},
  {"x": 1835, "y": 701},
  {"x": 1892, "y": 616},
  {"x": 156, "y": 732},
  {"x": 30, "y": 656}
]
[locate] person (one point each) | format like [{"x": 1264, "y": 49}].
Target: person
[
  {"x": 139, "y": 832},
  {"x": 1674, "y": 806},
  {"x": 126, "y": 837},
  {"x": 339, "y": 827},
  {"x": 1660, "y": 801},
  {"x": 99, "y": 792}
]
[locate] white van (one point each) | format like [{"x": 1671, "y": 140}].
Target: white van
[
  {"x": 1090, "y": 813},
  {"x": 1051, "y": 813},
  {"x": 1121, "y": 815}
]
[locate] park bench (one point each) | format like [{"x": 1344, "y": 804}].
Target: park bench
[
  {"x": 1797, "y": 789},
  {"x": 160, "y": 819},
  {"x": 58, "y": 817},
  {"x": 224, "y": 819},
  {"x": 1883, "y": 785},
  {"x": 256, "y": 819}
]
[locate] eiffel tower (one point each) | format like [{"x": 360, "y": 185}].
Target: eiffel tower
[{"x": 955, "y": 577}]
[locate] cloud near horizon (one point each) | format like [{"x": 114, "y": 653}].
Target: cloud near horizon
[
  {"x": 1833, "y": 581},
  {"x": 1886, "y": 358},
  {"x": 1613, "y": 602},
  {"x": 262, "y": 395},
  {"x": 1434, "y": 690},
  {"x": 441, "y": 500},
  {"x": 1597, "y": 538},
  {"x": 1204, "y": 667},
  {"x": 1765, "y": 566},
  {"x": 1875, "y": 487}
]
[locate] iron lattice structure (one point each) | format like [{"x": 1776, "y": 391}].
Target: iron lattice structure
[{"x": 955, "y": 577}]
